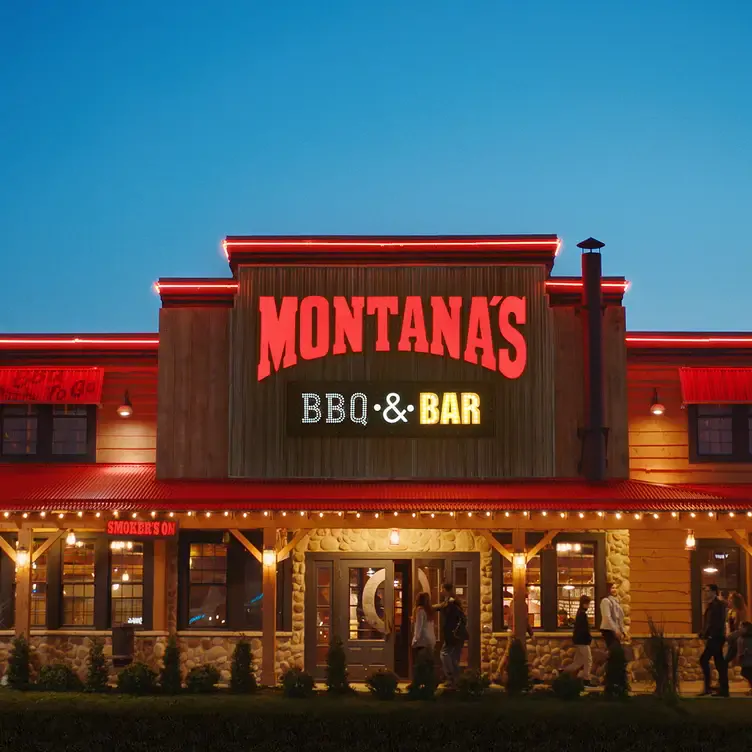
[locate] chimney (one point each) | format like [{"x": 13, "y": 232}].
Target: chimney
[{"x": 594, "y": 436}]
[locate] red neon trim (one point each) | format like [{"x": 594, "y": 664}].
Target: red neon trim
[
  {"x": 197, "y": 287},
  {"x": 689, "y": 339},
  {"x": 76, "y": 341},
  {"x": 386, "y": 244},
  {"x": 577, "y": 285}
]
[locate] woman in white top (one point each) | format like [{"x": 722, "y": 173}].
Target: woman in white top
[
  {"x": 612, "y": 617},
  {"x": 424, "y": 635}
]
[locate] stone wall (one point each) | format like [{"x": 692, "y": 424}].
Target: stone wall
[{"x": 618, "y": 569}]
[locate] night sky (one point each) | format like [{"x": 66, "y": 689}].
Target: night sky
[{"x": 135, "y": 135}]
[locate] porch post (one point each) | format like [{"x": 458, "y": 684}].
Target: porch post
[
  {"x": 159, "y": 613},
  {"x": 23, "y": 584},
  {"x": 519, "y": 573},
  {"x": 269, "y": 608}
]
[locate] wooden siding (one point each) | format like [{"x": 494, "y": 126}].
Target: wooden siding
[
  {"x": 570, "y": 397},
  {"x": 659, "y": 445},
  {"x": 193, "y": 392},
  {"x": 131, "y": 439},
  {"x": 522, "y": 447},
  {"x": 660, "y": 581}
]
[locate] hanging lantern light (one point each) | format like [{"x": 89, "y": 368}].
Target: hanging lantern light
[
  {"x": 394, "y": 537},
  {"x": 690, "y": 543},
  {"x": 656, "y": 408},
  {"x": 126, "y": 408},
  {"x": 70, "y": 539}
]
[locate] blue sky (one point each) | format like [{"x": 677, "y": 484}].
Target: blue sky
[{"x": 135, "y": 136}]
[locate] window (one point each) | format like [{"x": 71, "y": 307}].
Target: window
[
  {"x": 575, "y": 577},
  {"x": 48, "y": 433},
  {"x": 207, "y": 585},
  {"x": 720, "y": 433},
  {"x": 7, "y": 585},
  {"x": 573, "y": 565},
  {"x": 39, "y": 588},
  {"x": 127, "y": 583},
  {"x": 78, "y": 584},
  {"x": 715, "y": 562}
]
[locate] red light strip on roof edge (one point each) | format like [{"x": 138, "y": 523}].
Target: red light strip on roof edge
[
  {"x": 79, "y": 342},
  {"x": 555, "y": 243},
  {"x": 197, "y": 287},
  {"x": 689, "y": 340},
  {"x": 577, "y": 285}
]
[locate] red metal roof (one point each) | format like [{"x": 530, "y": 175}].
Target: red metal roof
[{"x": 135, "y": 487}]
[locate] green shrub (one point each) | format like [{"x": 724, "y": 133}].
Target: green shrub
[
  {"x": 18, "y": 664},
  {"x": 97, "y": 675},
  {"x": 383, "y": 685},
  {"x": 59, "y": 677},
  {"x": 567, "y": 687},
  {"x": 518, "y": 672},
  {"x": 424, "y": 683},
  {"x": 336, "y": 668},
  {"x": 616, "y": 684},
  {"x": 170, "y": 679},
  {"x": 663, "y": 661},
  {"x": 297, "y": 684},
  {"x": 202, "y": 679},
  {"x": 472, "y": 685},
  {"x": 137, "y": 679},
  {"x": 242, "y": 675}
]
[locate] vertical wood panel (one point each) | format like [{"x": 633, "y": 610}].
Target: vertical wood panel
[
  {"x": 522, "y": 447},
  {"x": 615, "y": 376},
  {"x": 193, "y": 393}
]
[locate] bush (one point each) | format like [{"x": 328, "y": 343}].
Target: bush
[
  {"x": 518, "y": 673},
  {"x": 137, "y": 679},
  {"x": 424, "y": 683},
  {"x": 567, "y": 687},
  {"x": 616, "y": 684},
  {"x": 59, "y": 677},
  {"x": 472, "y": 684},
  {"x": 297, "y": 684},
  {"x": 663, "y": 661},
  {"x": 336, "y": 668},
  {"x": 18, "y": 664},
  {"x": 97, "y": 675},
  {"x": 242, "y": 675},
  {"x": 169, "y": 677},
  {"x": 202, "y": 679},
  {"x": 383, "y": 685}
]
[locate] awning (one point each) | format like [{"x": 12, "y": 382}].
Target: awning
[
  {"x": 51, "y": 386},
  {"x": 716, "y": 386}
]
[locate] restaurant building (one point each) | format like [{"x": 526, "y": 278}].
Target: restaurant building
[{"x": 343, "y": 422}]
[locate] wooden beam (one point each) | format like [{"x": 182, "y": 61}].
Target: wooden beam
[
  {"x": 248, "y": 545},
  {"x": 8, "y": 549},
  {"x": 23, "y": 586},
  {"x": 519, "y": 589},
  {"x": 288, "y": 548},
  {"x": 541, "y": 544},
  {"x": 46, "y": 545},
  {"x": 159, "y": 601},
  {"x": 489, "y": 536},
  {"x": 269, "y": 613},
  {"x": 741, "y": 540}
]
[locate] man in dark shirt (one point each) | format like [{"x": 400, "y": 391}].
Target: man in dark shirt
[
  {"x": 714, "y": 634},
  {"x": 453, "y": 632},
  {"x": 581, "y": 639}
]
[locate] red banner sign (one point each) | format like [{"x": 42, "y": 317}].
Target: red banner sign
[
  {"x": 142, "y": 528},
  {"x": 480, "y": 330},
  {"x": 58, "y": 386}
]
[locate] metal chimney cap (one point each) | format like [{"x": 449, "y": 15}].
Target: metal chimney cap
[{"x": 591, "y": 244}]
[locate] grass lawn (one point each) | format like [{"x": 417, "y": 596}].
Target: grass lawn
[{"x": 37, "y": 720}]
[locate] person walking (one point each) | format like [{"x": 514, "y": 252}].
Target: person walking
[
  {"x": 744, "y": 650},
  {"x": 581, "y": 639},
  {"x": 453, "y": 633},
  {"x": 424, "y": 634},
  {"x": 714, "y": 634},
  {"x": 737, "y": 615},
  {"x": 612, "y": 618}
]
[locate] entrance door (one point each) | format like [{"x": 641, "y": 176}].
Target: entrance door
[{"x": 366, "y": 623}]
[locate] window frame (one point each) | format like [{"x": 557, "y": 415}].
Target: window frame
[
  {"x": 740, "y": 435},
  {"x": 549, "y": 579},
  {"x": 696, "y": 574},
  {"x": 8, "y": 585},
  {"x": 45, "y": 421}
]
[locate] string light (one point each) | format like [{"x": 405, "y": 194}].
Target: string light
[
  {"x": 562, "y": 515},
  {"x": 581, "y": 515},
  {"x": 245, "y": 514},
  {"x": 321, "y": 514},
  {"x": 80, "y": 514},
  {"x": 469, "y": 514},
  {"x": 544, "y": 514},
  {"x": 432, "y": 515},
  {"x": 710, "y": 514},
  {"x": 600, "y": 514},
  {"x": 302, "y": 514},
  {"x": 61, "y": 515},
  {"x": 396, "y": 513},
  {"x": 357, "y": 514},
  {"x": 98, "y": 515},
  {"x": 618, "y": 515},
  {"x": 731, "y": 514},
  {"x": 488, "y": 514},
  {"x": 749, "y": 514},
  {"x": 190, "y": 514},
  {"x": 172, "y": 514},
  {"x": 376, "y": 516},
  {"x": 115, "y": 513},
  {"x": 25, "y": 515},
  {"x": 153, "y": 514},
  {"x": 655, "y": 515},
  {"x": 637, "y": 516},
  {"x": 339, "y": 514},
  {"x": 284, "y": 514},
  {"x": 413, "y": 514},
  {"x": 674, "y": 514},
  {"x": 6, "y": 515},
  {"x": 692, "y": 515},
  {"x": 208, "y": 514},
  {"x": 227, "y": 514},
  {"x": 43, "y": 514},
  {"x": 451, "y": 514},
  {"x": 506, "y": 514}
]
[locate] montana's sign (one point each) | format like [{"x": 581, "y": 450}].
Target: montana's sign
[{"x": 479, "y": 330}]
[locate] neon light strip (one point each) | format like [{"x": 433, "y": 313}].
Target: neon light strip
[
  {"x": 78, "y": 341},
  {"x": 386, "y": 244},
  {"x": 197, "y": 286},
  {"x": 690, "y": 340},
  {"x": 623, "y": 286}
]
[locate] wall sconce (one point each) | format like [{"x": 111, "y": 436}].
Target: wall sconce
[
  {"x": 656, "y": 408},
  {"x": 269, "y": 557},
  {"x": 22, "y": 557},
  {"x": 70, "y": 539},
  {"x": 126, "y": 409},
  {"x": 394, "y": 537},
  {"x": 690, "y": 543},
  {"x": 519, "y": 561}
]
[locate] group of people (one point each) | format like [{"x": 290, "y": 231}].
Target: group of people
[
  {"x": 725, "y": 625},
  {"x": 453, "y": 631}
]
